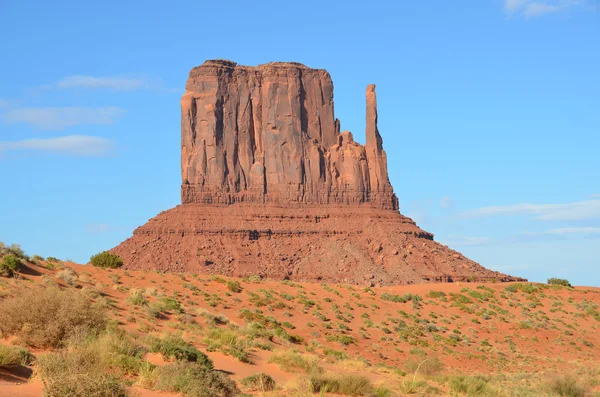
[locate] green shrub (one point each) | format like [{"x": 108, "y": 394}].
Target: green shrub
[
  {"x": 194, "y": 380},
  {"x": 343, "y": 339},
  {"x": 51, "y": 316},
  {"x": 261, "y": 382},
  {"x": 174, "y": 346},
  {"x": 9, "y": 265},
  {"x": 13, "y": 355},
  {"x": 234, "y": 286},
  {"x": 106, "y": 259},
  {"x": 559, "y": 281},
  {"x": 349, "y": 385}
]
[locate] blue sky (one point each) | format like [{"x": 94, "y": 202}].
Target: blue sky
[{"x": 489, "y": 112}]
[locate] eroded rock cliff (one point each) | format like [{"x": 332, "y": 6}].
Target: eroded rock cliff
[{"x": 268, "y": 134}]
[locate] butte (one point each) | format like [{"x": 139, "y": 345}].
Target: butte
[{"x": 272, "y": 188}]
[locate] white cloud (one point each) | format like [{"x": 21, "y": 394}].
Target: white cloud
[
  {"x": 464, "y": 241},
  {"x": 581, "y": 210},
  {"x": 112, "y": 83},
  {"x": 446, "y": 202},
  {"x": 57, "y": 118},
  {"x": 97, "y": 228},
  {"x": 536, "y": 8},
  {"x": 566, "y": 230},
  {"x": 75, "y": 145}
]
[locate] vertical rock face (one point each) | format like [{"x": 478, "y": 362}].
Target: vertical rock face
[{"x": 268, "y": 134}]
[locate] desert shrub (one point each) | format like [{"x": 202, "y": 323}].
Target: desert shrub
[
  {"x": 171, "y": 304},
  {"x": 292, "y": 361},
  {"x": 79, "y": 370},
  {"x": 9, "y": 265},
  {"x": 68, "y": 275},
  {"x": 174, "y": 346},
  {"x": 559, "y": 281},
  {"x": 349, "y": 385},
  {"x": 261, "y": 382},
  {"x": 13, "y": 355},
  {"x": 567, "y": 386},
  {"x": 52, "y": 259},
  {"x": 194, "y": 380},
  {"x": 106, "y": 259},
  {"x": 227, "y": 342},
  {"x": 427, "y": 366},
  {"x": 234, "y": 286},
  {"x": 216, "y": 319},
  {"x": 343, "y": 339},
  {"x": 50, "y": 317},
  {"x": 13, "y": 249},
  {"x": 471, "y": 386}
]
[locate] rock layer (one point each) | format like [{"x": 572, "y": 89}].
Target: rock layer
[
  {"x": 271, "y": 187},
  {"x": 268, "y": 134}
]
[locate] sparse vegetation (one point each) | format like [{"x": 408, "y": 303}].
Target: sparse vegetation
[
  {"x": 9, "y": 265},
  {"x": 106, "y": 259},
  {"x": 260, "y": 382},
  {"x": 50, "y": 317},
  {"x": 559, "y": 281}
]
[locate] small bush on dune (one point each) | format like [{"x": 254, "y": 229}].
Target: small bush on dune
[
  {"x": 175, "y": 347},
  {"x": 106, "y": 259},
  {"x": 261, "y": 382},
  {"x": 292, "y": 361},
  {"x": 46, "y": 317},
  {"x": 79, "y": 371},
  {"x": 471, "y": 386},
  {"x": 349, "y": 385},
  {"x": 234, "y": 286},
  {"x": 429, "y": 366},
  {"x": 68, "y": 275},
  {"x": 12, "y": 355},
  {"x": 9, "y": 265},
  {"x": 194, "y": 380},
  {"x": 567, "y": 386},
  {"x": 559, "y": 281}
]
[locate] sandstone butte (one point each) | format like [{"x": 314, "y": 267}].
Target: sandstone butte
[{"x": 271, "y": 187}]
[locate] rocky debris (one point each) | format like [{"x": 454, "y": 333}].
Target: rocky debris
[{"x": 271, "y": 187}]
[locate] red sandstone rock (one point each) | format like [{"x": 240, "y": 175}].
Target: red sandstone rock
[
  {"x": 267, "y": 134},
  {"x": 271, "y": 187}
]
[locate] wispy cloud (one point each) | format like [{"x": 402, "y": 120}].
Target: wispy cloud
[
  {"x": 464, "y": 241},
  {"x": 74, "y": 145},
  {"x": 57, "y": 118},
  {"x": 97, "y": 228},
  {"x": 446, "y": 202},
  {"x": 3, "y": 103},
  {"x": 566, "y": 231},
  {"x": 111, "y": 83},
  {"x": 536, "y": 8},
  {"x": 581, "y": 210}
]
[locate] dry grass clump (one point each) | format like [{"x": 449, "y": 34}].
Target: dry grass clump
[
  {"x": 567, "y": 386},
  {"x": 45, "y": 317},
  {"x": 82, "y": 368},
  {"x": 193, "y": 380},
  {"x": 13, "y": 355},
  {"x": 68, "y": 275},
  {"x": 292, "y": 361},
  {"x": 348, "y": 385},
  {"x": 260, "y": 382}
]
